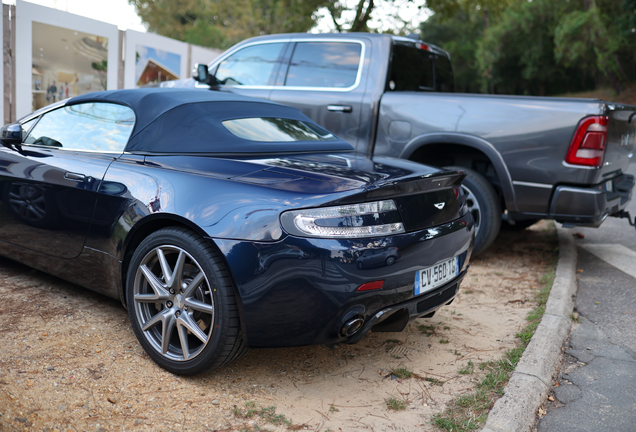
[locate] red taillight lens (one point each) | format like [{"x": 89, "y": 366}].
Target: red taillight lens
[
  {"x": 588, "y": 145},
  {"x": 422, "y": 46},
  {"x": 371, "y": 286}
]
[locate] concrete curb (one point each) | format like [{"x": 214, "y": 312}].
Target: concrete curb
[{"x": 532, "y": 378}]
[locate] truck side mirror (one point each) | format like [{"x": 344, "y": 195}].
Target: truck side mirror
[
  {"x": 11, "y": 135},
  {"x": 202, "y": 75}
]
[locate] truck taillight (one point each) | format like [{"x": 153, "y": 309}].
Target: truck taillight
[{"x": 588, "y": 145}]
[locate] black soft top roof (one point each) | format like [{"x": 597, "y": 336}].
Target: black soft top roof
[{"x": 190, "y": 121}]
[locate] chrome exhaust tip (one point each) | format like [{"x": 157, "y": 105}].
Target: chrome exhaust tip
[{"x": 351, "y": 327}]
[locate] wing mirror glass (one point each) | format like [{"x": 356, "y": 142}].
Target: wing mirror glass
[
  {"x": 202, "y": 75},
  {"x": 11, "y": 135}
]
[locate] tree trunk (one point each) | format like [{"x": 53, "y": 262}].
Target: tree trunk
[{"x": 362, "y": 16}]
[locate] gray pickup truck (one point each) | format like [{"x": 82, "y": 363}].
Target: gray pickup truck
[{"x": 526, "y": 158}]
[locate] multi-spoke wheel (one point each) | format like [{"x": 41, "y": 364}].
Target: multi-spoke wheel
[
  {"x": 181, "y": 304},
  {"x": 483, "y": 205}
]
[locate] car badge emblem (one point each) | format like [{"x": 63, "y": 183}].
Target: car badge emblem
[{"x": 439, "y": 205}]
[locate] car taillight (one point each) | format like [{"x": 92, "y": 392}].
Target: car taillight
[
  {"x": 588, "y": 145},
  {"x": 370, "y": 219}
]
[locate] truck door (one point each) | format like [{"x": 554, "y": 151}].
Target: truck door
[
  {"x": 250, "y": 70},
  {"x": 325, "y": 80}
]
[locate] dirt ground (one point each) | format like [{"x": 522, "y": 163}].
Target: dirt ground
[{"x": 70, "y": 361}]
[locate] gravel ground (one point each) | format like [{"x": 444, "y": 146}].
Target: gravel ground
[{"x": 70, "y": 361}]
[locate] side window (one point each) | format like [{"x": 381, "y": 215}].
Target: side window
[
  {"x": 254, "y": 65},
  {"x": 411, "y": 69},
  {"x": 324, "y": 64},
  {"x": 90, "y": 126}
]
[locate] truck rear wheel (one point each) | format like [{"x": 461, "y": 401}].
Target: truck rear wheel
[{"x": 484, "y": 206}]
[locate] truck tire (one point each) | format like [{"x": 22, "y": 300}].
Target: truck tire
[
  {"x": 484, "y": 206},
  {"x": 519, "y": 225}
]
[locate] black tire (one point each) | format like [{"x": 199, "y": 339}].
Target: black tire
[
  {"x": 390, "y": 261},
  {"x": 483, "y": 203},
  {"x": 188, "y": 321}
]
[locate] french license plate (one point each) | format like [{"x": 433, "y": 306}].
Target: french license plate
[{"x": 430, "y": 278}]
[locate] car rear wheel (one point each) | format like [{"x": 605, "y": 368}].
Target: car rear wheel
[
  {"x": 181, "y": 303},
  {"x": 483, "y": 204}
]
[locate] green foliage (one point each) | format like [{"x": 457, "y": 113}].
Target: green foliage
[
  {"x": 402, "y": 372},
  {"x": 434, "y": 381},
  {"x": 536, "y": 47},
  {"x": 468, "y": 369},
  {"x": 395, "y": 404},
  {"x": 268, "y": 414},
  {"x": 101, "y": 68},
  {"x": 220, "y": 24},
  {"x": 428, "y": 330},
  {"x": 516, "y": 55},
  {"x": 591, "y": 39},
  {"x": 354, "y": 15}
]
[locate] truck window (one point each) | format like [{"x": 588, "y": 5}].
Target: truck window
[
  {"x": 254, "y": 65},
  {"x": 444, "y": 78},
  {"x": 324, "y": 64},
  {"x": 415, "y": 69}
]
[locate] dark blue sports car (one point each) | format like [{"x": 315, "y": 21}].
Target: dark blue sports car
[{"x": 224, "y": 222}]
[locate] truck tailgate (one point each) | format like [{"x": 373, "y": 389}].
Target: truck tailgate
[{"x": 621, "y": 140}]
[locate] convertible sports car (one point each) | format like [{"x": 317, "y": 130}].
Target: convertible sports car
[{"x": 224, "y": 222}]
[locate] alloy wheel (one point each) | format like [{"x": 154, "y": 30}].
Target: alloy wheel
[
  {"x": 173, "y": 303},
  {"x": 473, "y": 208}
]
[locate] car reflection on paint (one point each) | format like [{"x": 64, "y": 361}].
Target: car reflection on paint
[
  {"x": 224, "y": 222},
  {"x": 266, "y": 261},
  {"x": 378, "y": 257}
]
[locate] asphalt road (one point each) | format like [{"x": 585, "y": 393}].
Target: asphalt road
[{"x": 597, "y": 389}]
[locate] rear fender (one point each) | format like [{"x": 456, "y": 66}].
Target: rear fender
[{"x": 477, "y": 143}]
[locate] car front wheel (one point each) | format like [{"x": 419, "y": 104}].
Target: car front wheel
[{"x": 181, "y": 303}]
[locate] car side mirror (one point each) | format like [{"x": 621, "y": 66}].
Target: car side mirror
[
  {"x": 202, "y": 75},
  {"x": 11, "y": 135}
]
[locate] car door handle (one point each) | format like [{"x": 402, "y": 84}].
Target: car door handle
[
  {"x": 340, "y": 108},
  {"x": 74, "y": 176}
]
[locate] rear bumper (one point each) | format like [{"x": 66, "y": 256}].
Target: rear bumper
[
  {"x": 306, "y": 297},
  {"x": 575, "y": 206},
  {"x": 396, "y": 317}
]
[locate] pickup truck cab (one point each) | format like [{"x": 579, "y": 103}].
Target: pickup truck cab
[{"x": 526, "y": 158}]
